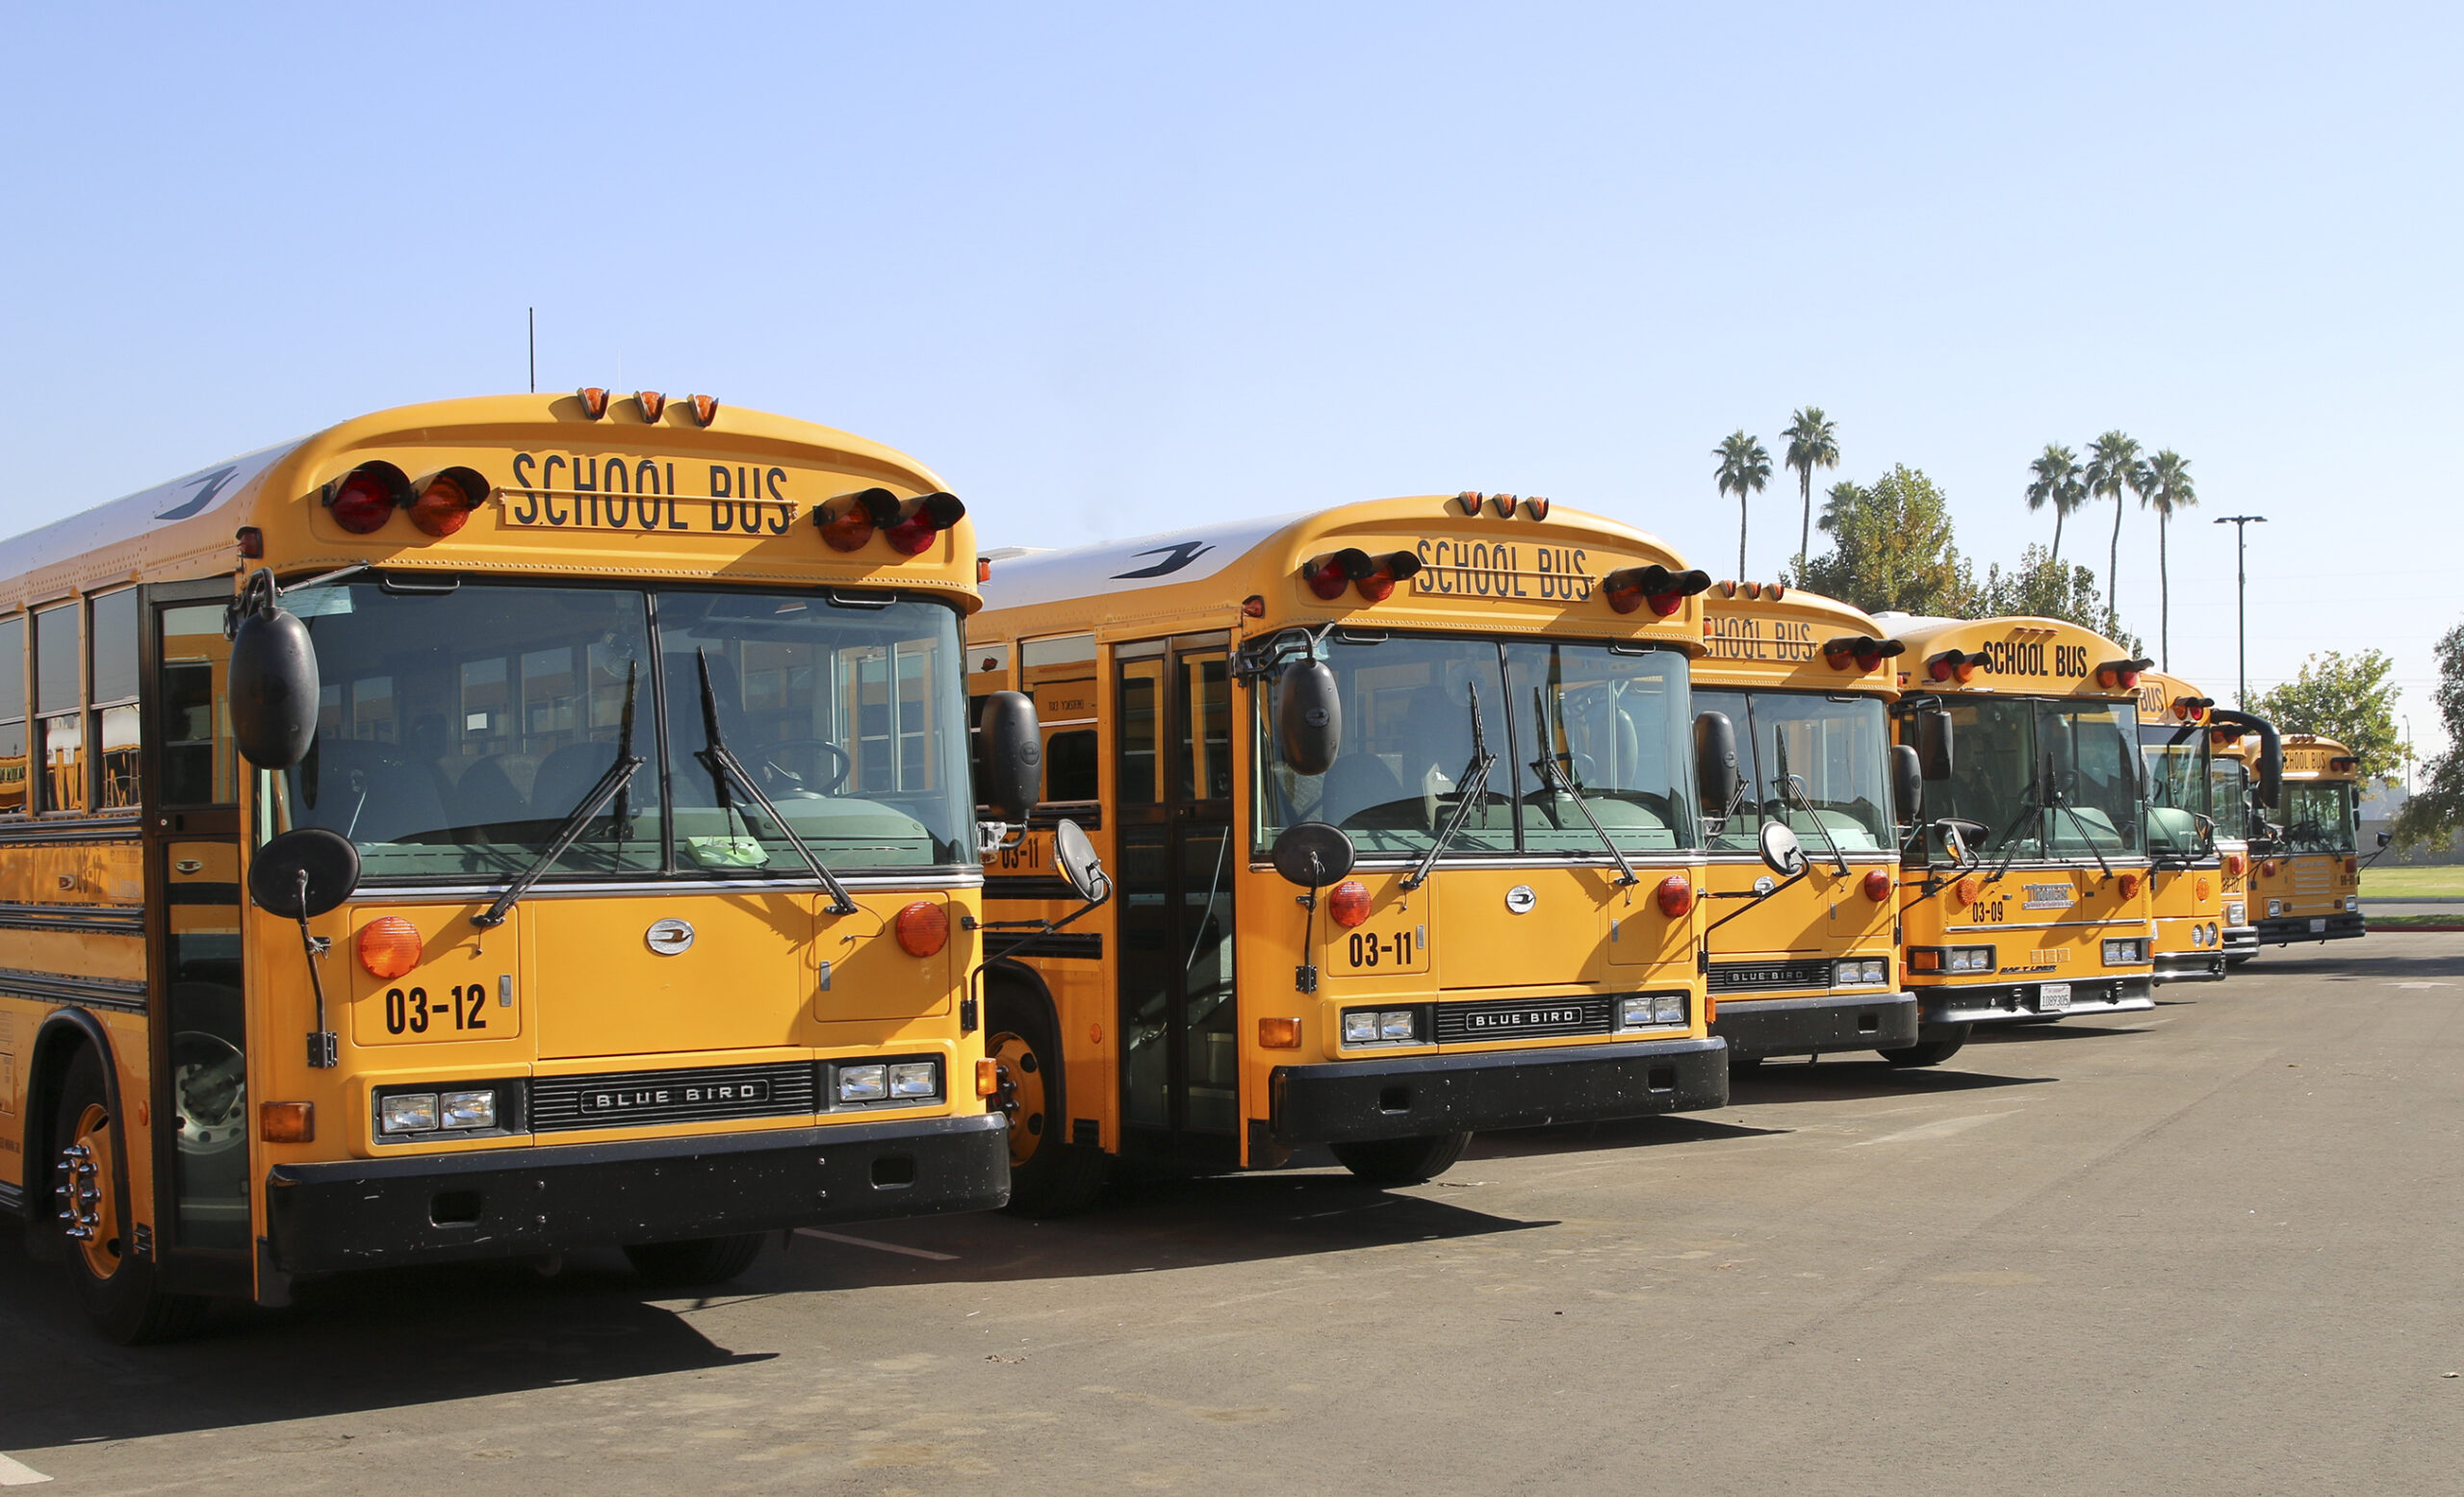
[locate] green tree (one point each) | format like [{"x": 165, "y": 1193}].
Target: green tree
[
  {"x": 1812, "y": 443},
  {"x": 2349, "y": 698},
  {"x": 1744, "y": 467},
  {"x": 2437, "y": 807},
  {"x": 1892, "y": 549},
  {"x": 2169, "y": 488},
  {"x": 2056, "y": 481},
  {"x": 2113, "y": 464}
]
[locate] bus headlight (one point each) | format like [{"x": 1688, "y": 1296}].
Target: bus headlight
[
  {"x": 407, "y": 1112},
  {"x": 1861, "y": 973},
  {"x": 1950, "y": 959},
  {"x": 912, "y": 1079},
  {"x": 864, "y": 1083},
  {"x": 466, "y": 1109},
  {"x": 2127, "y": 952},
  {"x": 2352, "y": 904},
  {"x": 1382, "y": 1026},
  {"x": 2275, "y": 907},
  {"x": 1652, "y": 1010},
  {"x": 2237, "y": 914}
]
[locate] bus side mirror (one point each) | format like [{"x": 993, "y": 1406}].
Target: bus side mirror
[
  {"x": 1907, "y": 783},
  {"x": 1011, "y": 754},
  {"x": 1933, "y": 743},
  {"x": 1308, "y": 716},
  {"x": 1715, "y": 771},
  {"x": 2386, "y": 838},
  {"x": 273, "y": 687},
  {"x": 1079, "y": 865}
]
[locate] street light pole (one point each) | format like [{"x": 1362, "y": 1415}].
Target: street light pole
[{"x": 2241, "y": 596}]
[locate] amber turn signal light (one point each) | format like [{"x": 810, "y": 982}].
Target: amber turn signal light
[
  {"x": 389, "y": 946},
  {"x": 287, "y": 1122},
  {"x": 1278, "y": 1034},
  {"x": 1347, "y": 903},
  {"x": 987, "y": 1077},
  {"x": 1967, "y": 889},
  {"x": 1675, "y": 895},
  {"x": 1876, "y": 885},
  {"x": 2129, "y": 884},
  {"x": 923, "y": 928}
]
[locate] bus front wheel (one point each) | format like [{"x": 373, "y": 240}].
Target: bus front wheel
[
  {"x": 1048, "y": 1174},
  {"x": 699, "y": 1261},
  {"x": 1402, "y": 1161},
  {"x": 88, "y": 1175}
]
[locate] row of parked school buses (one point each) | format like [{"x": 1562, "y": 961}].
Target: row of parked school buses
[{"x": 525, "y": 824}]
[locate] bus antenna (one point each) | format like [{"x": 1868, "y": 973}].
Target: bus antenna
[{"x": 534, "y": 350}]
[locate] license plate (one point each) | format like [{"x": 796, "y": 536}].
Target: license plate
[
  {"x": 2319, "y": 925},
  {"x": 2053, "y": 996}
]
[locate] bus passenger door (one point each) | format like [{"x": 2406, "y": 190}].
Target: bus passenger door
[
  {"x": 188, "y": 776},
  {"x": 1177, "y": 869}
]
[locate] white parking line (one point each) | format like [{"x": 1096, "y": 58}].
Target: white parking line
[
  {"x": 877, "y": 1247},
  {"x": 1932, "y": 1130},
  {"x": 16, "y": 1473}
]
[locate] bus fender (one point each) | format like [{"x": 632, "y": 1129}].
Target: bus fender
[
  {"x": 55, "y": 1042},
  {"x": 1007, "y": 970}
]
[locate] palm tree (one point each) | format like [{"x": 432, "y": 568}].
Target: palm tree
[
  {"x": 1744, "y": 468},
  {"x": 2057, "y": 483},
  {"x": 1812, "y": 443},
  {"x": 2169, "y": 488},
  {"x": 2113, "y": 464}
]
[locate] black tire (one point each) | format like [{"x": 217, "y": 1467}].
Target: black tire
[
  {"x": 1049, "y": 1176},
  {"x": 1925, "y": 1052},
  {"x": 1402, "y": 1161},
  {"x": 115, "y": 1286},
  {"x": 698, "y": 1260}
]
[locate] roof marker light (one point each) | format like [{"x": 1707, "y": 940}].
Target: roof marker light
[
  {"x": 1538, "y": 507},
  {"x": 1469, "y": 500},
  {"x": 1504, "y": 504},
  {"x": 252, "y": 542},
  {"x": 1254, "y": 605},
  {"x": 847, "y": 521},
  {"x": 651, "y": 402},
  {"x": 1629, "y": 588},
  {"x": 706, "y": 408},
  {"x": 593, "y": 401}
]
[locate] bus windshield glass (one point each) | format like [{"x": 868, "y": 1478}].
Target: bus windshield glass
[
  {"x": 2178, "y": 790},
  {"x": 1813, "y": 762},
  {"x": 1562, "y": 721},
  {"x": 460, "y": 729},
  {"x": 2044, "y": 779},
  {"x": 2228, "y": 790},
  {"x": 2318, "y": 816}
]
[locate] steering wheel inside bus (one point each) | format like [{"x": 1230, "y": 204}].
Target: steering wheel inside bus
[{"x": 828, "y": 777}]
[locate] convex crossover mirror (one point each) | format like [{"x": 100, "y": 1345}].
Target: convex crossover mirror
[
  {"x": 1075, "y": 854},
  {"x": 1782, "y": 853}
]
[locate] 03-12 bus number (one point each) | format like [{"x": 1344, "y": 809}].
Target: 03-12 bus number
[
  {"x": 1369, "y": 948},
  {"x": 413, "y": 1012}
]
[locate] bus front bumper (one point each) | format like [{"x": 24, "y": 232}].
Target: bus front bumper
[
  {"x": 2240, "y": 943},
  {"x": 1757, "y": 1027},
  {"x": 2288, "y": 929},
  {"x": 1424, "y": 1097},
  {"x": 2002, "y": 1002},
  {"x": 2190, "y": 965},
  {"x": 510, "y": 1202}
]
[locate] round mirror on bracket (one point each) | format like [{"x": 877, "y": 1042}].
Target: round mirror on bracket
[
  {"x": 1782, "y": 853},
  {"x": 1312, "y": 854},
  {"x": 1075, "y": 854},
  {"x": 328, "y": 859}
]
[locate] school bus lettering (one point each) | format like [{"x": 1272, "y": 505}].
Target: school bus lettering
[
  {"x": 1496, "y": 569},
  {"x": 613, "y": 492}
]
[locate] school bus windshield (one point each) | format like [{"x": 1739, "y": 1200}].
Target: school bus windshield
[
  {"x": 2044, "y": 779},
  {"x": 1606, "y": 724},
  {"x": 2318, "y": 816},
  {"x": 2177, "y": 791},
  {"x": 460, "y": 729},
  {"x": 2229, "y": 785},
  {"x": 1814, "y": 763}
]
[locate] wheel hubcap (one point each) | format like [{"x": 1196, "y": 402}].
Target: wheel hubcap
[
  {"x": 89, "y": 1203},
  {"x": 1022, "y": 1095}
]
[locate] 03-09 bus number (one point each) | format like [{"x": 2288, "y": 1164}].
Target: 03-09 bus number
[
  {"x": 1369, "y": 949},
  {"x": 413, "y": 1012}
]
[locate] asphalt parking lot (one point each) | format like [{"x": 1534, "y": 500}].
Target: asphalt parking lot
[{"x": 2213, "y": 1250}]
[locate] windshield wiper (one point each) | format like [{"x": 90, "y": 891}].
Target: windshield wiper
[
  {"x": 727, "y": 768},
  {"x": 1554, "y": 775},
  {"x": 1473, "y": 789},
  {"x": 2061, "y": 803},
  {"x": 1787, "y": 786},
  {"x": 619, "y": 775}
]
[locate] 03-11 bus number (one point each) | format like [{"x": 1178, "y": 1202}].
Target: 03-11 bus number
[
  {"x": 1369, "y": 949},
  {"x": 413, "y": 1012}
]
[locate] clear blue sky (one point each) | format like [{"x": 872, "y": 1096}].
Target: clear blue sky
[{"x": 1112, "y": 269}]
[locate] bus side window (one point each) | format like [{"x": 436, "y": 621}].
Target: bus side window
[
  {"x": 1060, "y": 675},
  {"x": 58, "y": 704},
  {"x": 12, "y": 716},
  {"x": 112, "y": 675},
  {"x": 199, "y": 767}
]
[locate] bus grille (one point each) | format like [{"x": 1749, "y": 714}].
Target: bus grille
[
  {"x": 625, "y": 1098},
  {"x": 1768, "y": 977},
  {"x": 1460, "y": 1023}
]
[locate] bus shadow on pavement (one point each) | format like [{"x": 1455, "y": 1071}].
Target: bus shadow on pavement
[
  {"x": 355, "y": 1344},
  {"x": 1850, "y": 1080}
]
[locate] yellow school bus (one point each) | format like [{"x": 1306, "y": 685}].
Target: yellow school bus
[
  {"x": 2245, "y": 772},
  {"x": 1804, "y": 957},
  {"x": 1399, "y": 802},
  {"x": 2191, "y": 890},
  {"x": 2025, "y": 897},
  {"x": 2307, "y": 884},
  {"x": 595, "y": 864}
]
